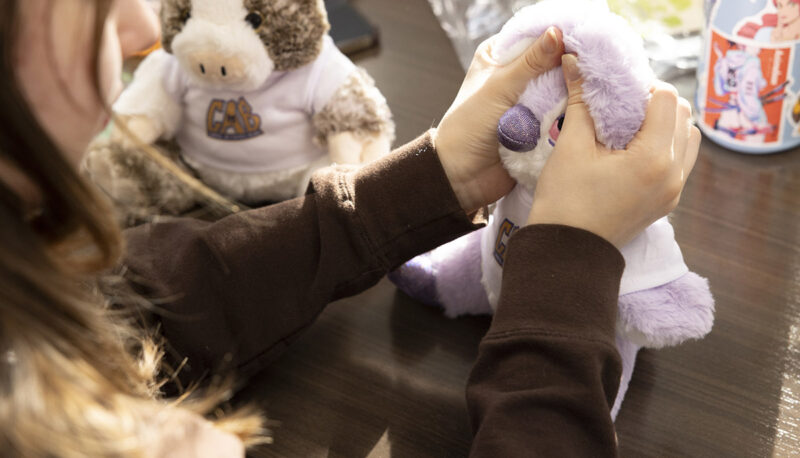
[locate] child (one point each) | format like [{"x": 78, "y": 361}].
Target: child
[{"x": 81, "y": 380}]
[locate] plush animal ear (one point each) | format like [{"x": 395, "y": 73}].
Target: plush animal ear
[
  {"x": 532, "y": 21},
  {"x": 615, "y": 68},
  {"x": 293, "y": 30},
  {"x": 617, "y": 77},
  {"x": 174, "y": 15}
]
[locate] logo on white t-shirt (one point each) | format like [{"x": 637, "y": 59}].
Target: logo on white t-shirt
[
  {"x": 232, "y": 120},
  {"x": 505, "y": 231}
]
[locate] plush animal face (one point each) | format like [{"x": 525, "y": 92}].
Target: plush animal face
[
  {"x": 237, "y": 44},
  {"x": 616, "y": 73},
  {"x": 528, "y": 132}
]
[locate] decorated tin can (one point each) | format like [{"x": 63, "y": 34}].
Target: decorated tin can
[{"x": 749, "y": 75}]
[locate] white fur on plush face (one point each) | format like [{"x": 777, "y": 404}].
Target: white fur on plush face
[
  {"x": 218, "y": 26},
  {"x": 546, "y": 97}
]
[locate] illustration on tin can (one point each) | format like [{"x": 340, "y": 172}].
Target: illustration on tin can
[
  {"x": 795, "y": 117},
  {"x": 747, "y": 88},
  {"x": 779, "y": 21}
]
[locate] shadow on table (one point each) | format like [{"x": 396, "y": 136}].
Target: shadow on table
[
  {"x": 382, "y": 374},
  {"x": 379, "y": 374},
  {"x": 734, "y": 393}
]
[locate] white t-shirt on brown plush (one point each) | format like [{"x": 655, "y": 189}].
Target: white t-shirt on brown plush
[{"x": 265, "y": 130}]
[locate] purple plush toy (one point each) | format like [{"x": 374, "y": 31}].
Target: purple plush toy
[{"x": 661, "y": 302}]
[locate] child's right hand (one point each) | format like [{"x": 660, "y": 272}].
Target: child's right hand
[
  {"x": 616, "y": 194},
  {"x": 466, "y": 139}
]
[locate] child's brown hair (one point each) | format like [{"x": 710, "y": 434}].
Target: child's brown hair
[{"x": 77, "y": 378}]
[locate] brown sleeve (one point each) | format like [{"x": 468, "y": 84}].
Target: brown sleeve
[
  {"x": 239, "y": 290},
  {"x": 548, "y": 370}
]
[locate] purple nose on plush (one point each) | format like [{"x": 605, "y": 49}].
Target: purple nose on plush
[{"x": 518, "y": 129}]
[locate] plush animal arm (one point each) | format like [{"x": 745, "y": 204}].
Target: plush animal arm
[
  {"x": 149, "y": 111},
  {"x": 138, "y": 187},
  {"x": 356, "y": 124}
]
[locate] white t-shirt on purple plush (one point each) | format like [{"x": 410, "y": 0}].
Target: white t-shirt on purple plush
[{"x": 651, "y": 259}]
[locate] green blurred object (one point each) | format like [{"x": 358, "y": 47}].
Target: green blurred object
[{"x": 674, "y": 17}]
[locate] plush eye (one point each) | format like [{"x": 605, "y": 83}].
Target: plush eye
[
  {"x": 555, "y": 129},
  {"x": 255, "y": 19},
  {"x": 185, "y": 15}
]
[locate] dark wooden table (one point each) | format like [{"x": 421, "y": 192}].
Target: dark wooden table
[{"x": 380, "y": 375}]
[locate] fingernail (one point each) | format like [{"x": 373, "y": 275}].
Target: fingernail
[
  {"x": 550, "y": 44},
  {"x": 570, "y": 65}
]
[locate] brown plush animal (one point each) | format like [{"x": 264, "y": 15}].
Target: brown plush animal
[{"x": 255, "y": 95}]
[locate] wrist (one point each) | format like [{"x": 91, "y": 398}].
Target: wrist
[
  {"x": 463, "y": 192},
  {"x": 469, "y": 203},
  {"x": 540, "y": 216}
]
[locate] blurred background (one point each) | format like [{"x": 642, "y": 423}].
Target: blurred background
[{"x": 671, "y": 28}]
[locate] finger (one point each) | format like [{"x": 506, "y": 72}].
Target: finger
[
  {"x": 483, "y": 54},
  {"x": 659, "y": 122},
  {"x": 578, "y": 123},
  {"x": 540, "y": 57},
  {"x": 683, "y": 126},
  {"x": 689, "y": 160},
  {"x": 692, "y": 150}
]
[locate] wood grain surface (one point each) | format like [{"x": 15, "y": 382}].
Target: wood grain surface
[{"x": 380, "y": 375}]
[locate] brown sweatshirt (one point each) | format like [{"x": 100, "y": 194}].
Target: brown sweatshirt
[{"x": 234, "y": 293}]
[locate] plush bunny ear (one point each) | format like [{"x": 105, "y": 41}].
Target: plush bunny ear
[
  {"x": 528, "y": 23},
  {"x": 616, "y": 71}
]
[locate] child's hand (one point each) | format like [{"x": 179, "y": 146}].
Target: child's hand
[
  {"x": 616, "y": 194},
  {"x": 466, "y": 139}
]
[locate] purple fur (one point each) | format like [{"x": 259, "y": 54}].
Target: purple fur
[
  {"x": 616, "y": 72},
  {"x": 458, "y": 280},
  {"x": 669, "y": 314},
  {"x": 417, "y": 279},
  {"x": 627, "y": 351},
  {"x": 449, "y": 277}
]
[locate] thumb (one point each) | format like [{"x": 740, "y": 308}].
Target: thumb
[
  {"x": 543, "y": 55},
  {"x": 578, "y": 123}
]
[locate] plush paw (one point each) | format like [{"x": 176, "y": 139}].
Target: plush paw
[
  {"x": 136, "y": 130},
  {"x": 417, "y": 279},
  {"x": 344, "y": 148},
  {"x": 449, "y": 277},
  {"x": 669, "y": 314},
  {"x": 627, "y": 352},
  {"x": 357, "y": 148},
  {"x": 375, "y": 147}
]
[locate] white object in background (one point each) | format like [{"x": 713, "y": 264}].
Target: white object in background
[{"x": 670, "y": 28}]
